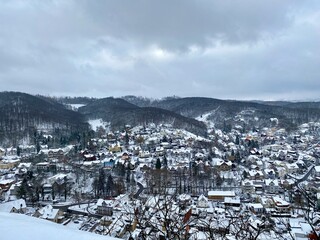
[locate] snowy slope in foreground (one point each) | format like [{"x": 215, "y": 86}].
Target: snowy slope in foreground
[{"x": 22, "y": 227}]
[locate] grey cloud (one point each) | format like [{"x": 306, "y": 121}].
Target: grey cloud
[
  {"x": 178, "y": 24},
  {"x": 242, "y": 49}
]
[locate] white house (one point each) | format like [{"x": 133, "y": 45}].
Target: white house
[
  {"x": 17, "y": 206},
  {"x": 50, "y": 213},
  {"x": 257, "y": 208},
  {"x": 202, "y": 202},
  {"x": 272, "y": 186}
]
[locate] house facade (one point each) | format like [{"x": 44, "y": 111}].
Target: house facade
[{"x": 105, "y": 207}]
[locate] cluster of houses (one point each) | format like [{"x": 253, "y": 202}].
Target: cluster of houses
[
  {"x": 47, "y": 212},
  {"x": 261, "y": 173}
]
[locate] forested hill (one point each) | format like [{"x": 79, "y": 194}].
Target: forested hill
[
  {"x": 289, "y": 114},
  {"x": 120, "y": 112},
  {"x": 21, "y": 115}
]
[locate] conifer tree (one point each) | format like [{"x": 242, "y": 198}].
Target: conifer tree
[{"x": 158, "y": 164}]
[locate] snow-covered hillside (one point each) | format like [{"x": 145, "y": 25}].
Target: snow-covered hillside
[
  {"x": 95, "y": 123},
  {"x": 76, "y": 106},
  {"x": 22, "y": 227}
]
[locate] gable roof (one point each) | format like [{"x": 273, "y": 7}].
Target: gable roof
[
  {"x": 8, "y": 206},
  {"x": 48, "y": 212}
]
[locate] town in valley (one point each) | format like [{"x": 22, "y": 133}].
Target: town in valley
[{"x": 238, "y": 180}]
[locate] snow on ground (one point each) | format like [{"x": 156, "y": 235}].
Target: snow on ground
[
  {"x": 80, "y": 208},
  {"x": 45, "y": 126},
  {"x": 63, "y": 203},
  {"x": 95, "y": 123},
  {"x": 205, "y": 118},
  {"x": 22, "y": 227},
  {"x": 73, "y": 225},
  {"x": 191, "y": 135},
  {"x": 76, "y": 106}
]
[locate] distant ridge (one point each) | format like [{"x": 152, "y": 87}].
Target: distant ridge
[
  {"x": 290, "y": 114},
  {"x": 119, "y": 112},
  {"x": 22, "y": 115}
]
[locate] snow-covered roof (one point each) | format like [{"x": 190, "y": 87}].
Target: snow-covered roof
[
  {"x": 8, "y": 206},
  {"x": 43, "y": 164},
  {"x": 317, "y": 168},
  {"x": 24, "y": 165},
  {"x": 184, "y": 197},
  {"x": 202, "y": 202},
  {"x": 6, "y": 181},
  {"x": 292, "y": 166},
  {"x": 199, "y": 235},
  {"x": 48, "y": 212},
  {"x": 216, "y": 161},
  {"x": 10, "y": 159},
  {"x": 280, "y": 202},
  {"x": 58, "y": 176},
  {"x": 255, "y": 205},
  {"x": 232, "y": 200},
  {"x": 89, "y": 155},
  {"x": 108, "y": 202},
  {"x": 271, "y": 181},
  {"x": 222, "y": 193},
  {"x": 253, "y": 173}
]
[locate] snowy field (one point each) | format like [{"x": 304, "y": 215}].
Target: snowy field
[
  {"x": 22, "y": 227},
  {"x": 76, "y": 106},
  {"x": 95, "y": 123}
]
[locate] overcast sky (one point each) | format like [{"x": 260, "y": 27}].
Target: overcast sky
[{"x": 229, "y": 49}]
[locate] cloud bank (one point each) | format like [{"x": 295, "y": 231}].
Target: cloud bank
[{"x": 224, "y": 49}]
